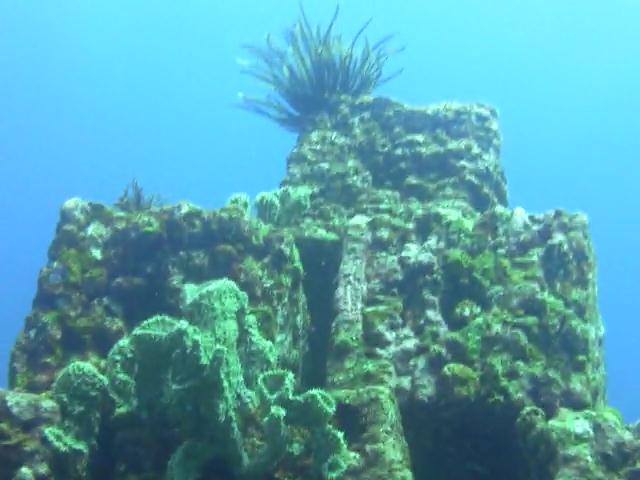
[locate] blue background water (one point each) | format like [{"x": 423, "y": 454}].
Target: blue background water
[{"x": 93, "y": 94}]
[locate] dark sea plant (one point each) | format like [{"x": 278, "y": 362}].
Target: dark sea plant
[
  {"x": 134, "y": 199},
  {"x": 314, "y": 68}
]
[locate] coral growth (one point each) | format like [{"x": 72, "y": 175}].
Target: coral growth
[
  {"x": 207, "y": 391},
  {"x": 384, "y": 315}
]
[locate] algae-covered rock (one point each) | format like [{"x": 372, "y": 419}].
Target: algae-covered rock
[
  {"x": 23, "y": 418},
  {"x": 180, "y": 398},
  {"x": 471, "y": 312},
  {"x": 81, "y": 392},
  {"x": 593, "y": 444},
  {"x": 110, "y": 269},
  {"x": 386, "y": 314}
]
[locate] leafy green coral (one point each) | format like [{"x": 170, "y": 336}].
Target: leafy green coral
[
  {"x": 206, "y": 391},
  {"x": 168, "y": 372},
  {"x": 81, "y": 392},
  {"x": 313, "y": 69},
  {"x": 302, "y": 424}
]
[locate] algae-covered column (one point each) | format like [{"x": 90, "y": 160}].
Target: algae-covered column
[
  {"x": 363, "y": 386},
  {"x": 464, "y": 332},
  {"x": 347, "y": 355}
]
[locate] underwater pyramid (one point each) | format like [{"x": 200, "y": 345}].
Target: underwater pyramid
[{"x": 383, "y": 315}]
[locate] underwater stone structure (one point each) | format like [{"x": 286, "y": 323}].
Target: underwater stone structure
[{"x": 384, "y": 315}]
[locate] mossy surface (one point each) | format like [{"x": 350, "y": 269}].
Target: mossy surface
[
  {"x": 385, "y": 314},
  {"x": 111, "y": 269}
]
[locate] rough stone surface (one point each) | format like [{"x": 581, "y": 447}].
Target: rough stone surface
[
  {"x": 23, "y": 417},
  {"x": 385, "y": 314},
  {"x": 110, "y": 269}
]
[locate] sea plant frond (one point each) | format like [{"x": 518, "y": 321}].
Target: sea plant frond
[
  {"x": 327, "y": 33},
  {"x": 134, "y": 199},
  {"x": 313, "y": 69}
]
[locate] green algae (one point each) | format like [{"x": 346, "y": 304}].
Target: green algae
[
  {"x": 194, "y": 377},
  {"x": 384, "y": 315}
]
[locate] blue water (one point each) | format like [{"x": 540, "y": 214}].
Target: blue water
[{"x": 93, "y": 94}]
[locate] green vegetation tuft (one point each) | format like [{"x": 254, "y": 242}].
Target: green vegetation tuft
[{"x": 314, "y": 68}]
